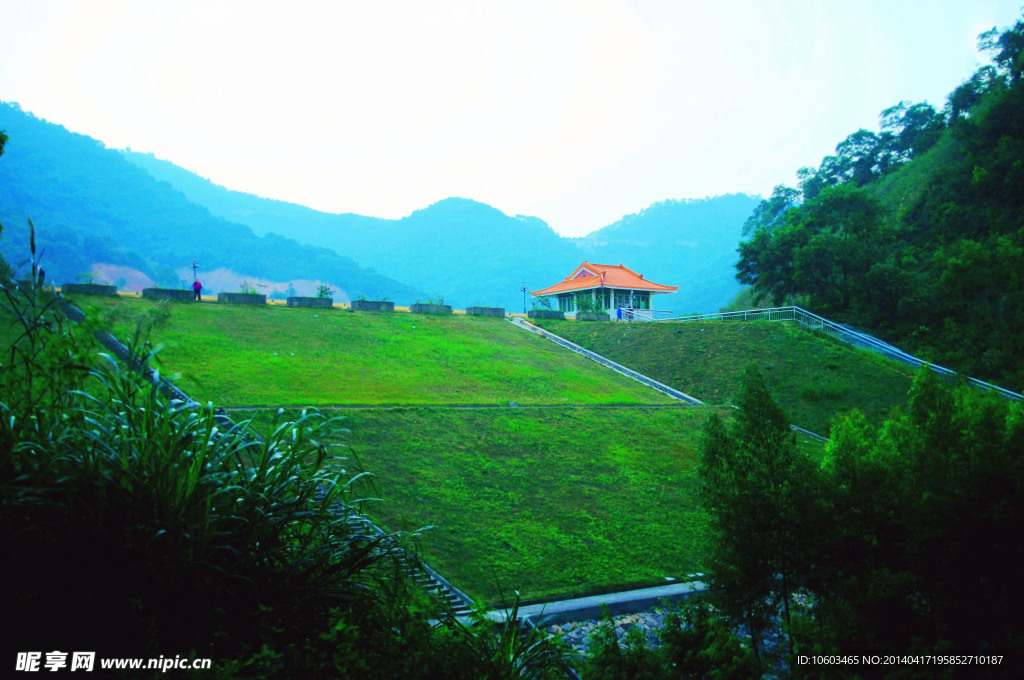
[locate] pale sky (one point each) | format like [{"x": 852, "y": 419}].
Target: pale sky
[{"x": 574, "y": 112}]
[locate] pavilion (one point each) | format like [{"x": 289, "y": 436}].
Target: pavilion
[{"x": 609, "y": 286}]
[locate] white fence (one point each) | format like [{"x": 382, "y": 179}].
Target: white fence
[{"x": 823, "y": 325}]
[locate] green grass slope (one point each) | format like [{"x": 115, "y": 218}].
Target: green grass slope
[
  {"x": 551, "y": 501},
  {"x": 813, "y": 377},
  {"x": 547, "y": 501},
  {"x": 283, "y": 356}
]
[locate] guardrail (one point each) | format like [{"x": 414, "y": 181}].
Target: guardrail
[
  {"x": 594, "y": 356},
  {"x": 634, "y": 314},
  {"x": 839, "y": 331}
]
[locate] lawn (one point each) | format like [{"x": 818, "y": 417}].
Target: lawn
[
  {"x": 560, "y": 501},
  {"x": 812, "y": 376},
  {"x": 587, "y": 486},
  {"x": 237, "y": 355}
]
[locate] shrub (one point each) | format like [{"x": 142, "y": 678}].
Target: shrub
[{"x": 179, "y": 534}]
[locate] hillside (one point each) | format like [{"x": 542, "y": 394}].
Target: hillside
[
  {"x": 91, "y": 207},
  {"x": 285, "y": 356},
  {"x": 512, "y": 490},
  {"x": 814, "y": 378},
  {"x": 470, "y": 253}
]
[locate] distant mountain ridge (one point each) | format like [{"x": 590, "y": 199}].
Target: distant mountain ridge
[
  {"x": 96, "y": 213},
  {"x": 131, "y": 219},
  {"x": 469, "y": 253}
]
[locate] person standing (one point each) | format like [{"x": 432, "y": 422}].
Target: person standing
[{"x": 197, "y": 287}]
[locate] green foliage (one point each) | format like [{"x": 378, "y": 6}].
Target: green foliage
[
  {"x": 247, "y": 288},
  {"x": 123, "y": 507},
  {"x": 587, "y": 304},
  {"x": 828, "y": 250},
  {"x": 898, "y": 538},
  {"x": 755, "y": 485},
  {"x": 696, "y": 642},
  {"x": 915, "y": 233},
  {"x": 324, "y": 291},
  {"x": 510, "y": 649},
  {"x": 611, "y": 660},
  {"x": 925, "y": 504},
  {"x": 699, "y": 643}
]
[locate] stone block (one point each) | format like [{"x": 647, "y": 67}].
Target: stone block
[
  {"x": 430, "y": 309},
  {"x": 373, "y": 306},
  {"x": 310, "y": 302},
  {"x": 176, "y": 294},
  {"x": 485, "y": 311},
  {"x": 242, "y": 298},
  {"x": 87, "y": 289}
]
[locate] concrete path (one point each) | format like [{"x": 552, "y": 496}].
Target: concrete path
[{"x": 583, "y": 608}]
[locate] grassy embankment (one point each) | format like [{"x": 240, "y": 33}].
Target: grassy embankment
[
  {"x": 282, "y": 356},
  {"x": 812, "y": 376},
  {"x": 549, "y": 501}
]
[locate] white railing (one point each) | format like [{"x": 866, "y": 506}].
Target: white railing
[
  {"x": 838, "y": 331},
  {"x": 634, "y": 314}
]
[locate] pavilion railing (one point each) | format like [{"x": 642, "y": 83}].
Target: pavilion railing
[{"x": 823, "y": 325}]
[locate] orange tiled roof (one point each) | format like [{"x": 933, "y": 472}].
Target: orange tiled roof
[{"x": 588, "y": 276}]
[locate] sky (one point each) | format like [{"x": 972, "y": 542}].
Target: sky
[{"x": 576, "y": 112}]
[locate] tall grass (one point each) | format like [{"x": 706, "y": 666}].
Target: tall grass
[
  {"x": 133, "y": 525},
  {"x": 179, "y": 534}
]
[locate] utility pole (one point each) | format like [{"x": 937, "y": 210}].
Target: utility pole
[
  {"x": 195, "y": 270},
  {"x": 525, "y": 290}
]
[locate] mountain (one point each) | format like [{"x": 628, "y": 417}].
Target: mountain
[
  {"x": 690, "y": 244},
  {"x": 97, "y": 214},
  {"x": 472, "y": 254}
]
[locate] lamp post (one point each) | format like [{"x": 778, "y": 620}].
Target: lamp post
[{"x": 195, "y": 270}]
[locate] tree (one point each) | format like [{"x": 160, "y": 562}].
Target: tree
[
  {"x": 1006, "y": 48},
  {"x": 911, "y": 129},
  {"x": 824, "y": 250},
  {"x": 771, "y": 212},
  {"x": 754, "y": 485},
  {"x": 920, "y": 509},
  {"x": 5, "y": 269}
]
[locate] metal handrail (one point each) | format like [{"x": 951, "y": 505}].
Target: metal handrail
[
  {"x": 838, "y": 331},
  {"x": 646, "y": 314}
]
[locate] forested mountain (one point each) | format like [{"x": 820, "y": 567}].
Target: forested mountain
[
  {"x": 94, "y": 211},
  {"x": 470, "y": 253},
  {"x": 916, "y": 232},
  {"x": 690, "y": 244}
]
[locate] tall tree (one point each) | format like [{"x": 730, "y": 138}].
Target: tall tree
[
  {"x": 824, "y": 250},
  {"x": 755, "y": 486}
]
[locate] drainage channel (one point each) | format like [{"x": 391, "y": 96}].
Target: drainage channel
[{"x": 592, "y": 607}]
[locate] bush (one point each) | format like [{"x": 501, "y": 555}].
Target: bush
[{"x": 122, "y": 507}]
